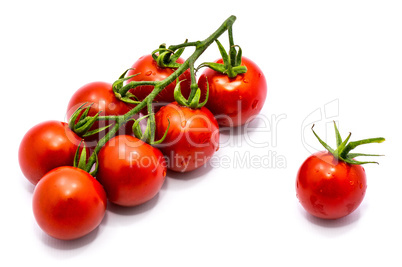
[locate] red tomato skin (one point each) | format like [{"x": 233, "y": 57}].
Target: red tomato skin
[
  {"x": 102, "y": 96},
  {"x": 148, "y": 70},
  {"x": 329, "y": 188},
  {"x": 46, "y": 146},
  {"x": 192, "y": 138},
  {"x": 234, "y": 101},
  {"x": 68, "y": 203},
  {"x": 131, "y": 171}
]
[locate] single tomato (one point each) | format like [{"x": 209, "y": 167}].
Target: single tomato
[
  {"x": 331, "y": 184},
  {"x": 329, "y": 188},
  {"x": 148, "y": 70},
  {"x": 102, "y": 98},
  {"x": 68, "y": 203},
  {"x": 131, "y": 171},
  {"x": 192, "y": 137},
  {"x": 234, "y": 101},
  {"x": 46, "y": 146}
]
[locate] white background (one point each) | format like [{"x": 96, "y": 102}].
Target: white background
[{"x": 340, "y": 58}]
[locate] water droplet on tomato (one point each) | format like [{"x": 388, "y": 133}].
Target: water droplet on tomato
[
  {"x": 183, "y": 124},
  {"x": 351, "y": 182},
  {"x": 361, "y": 186},
  {"x": 148, "y": 73},
  {"x": 240, "y": 97},
  {"x": 254, "y": 105},
  {"x": 245, "y": 81}
]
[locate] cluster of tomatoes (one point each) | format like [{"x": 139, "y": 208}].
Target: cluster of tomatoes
[
  {"x": 128, "y": 166},
  {"x": 69, "y": 202}
]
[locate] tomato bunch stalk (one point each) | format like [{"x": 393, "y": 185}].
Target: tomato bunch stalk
[{"x": 166, "y": 58}]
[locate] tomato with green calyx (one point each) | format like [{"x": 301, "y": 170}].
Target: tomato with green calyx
[
  {"x": 131, "y": 171},
  {"x": 235, "y": 101},
  {"x": 46, "y": 146},
  {"x": 101, "y": 99},
  {"x": 68, "y": 203},
  {"x": 192, "y": 136},
  {"x": 332, "y": 184},
  {"x": 147, "y": 69},
  {"x": 237, "y": 87}
]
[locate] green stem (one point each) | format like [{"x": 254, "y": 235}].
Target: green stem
[
  {"x": 158, "y": 87},
  {"x": 123, "y": 91},
  {"x": 151, "y": 122},
  {"x": 111, "y": 117},
  {"x": 183, "y": 45},
  {"x": 232, "y": 50},
  {"x": 193, "y": 85}
]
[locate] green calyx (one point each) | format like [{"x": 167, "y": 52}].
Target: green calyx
[
  {"x": 80, "y": 159},
  {"x": 117, "y": 86},
  {"x": 80, "y": 122},
  {"x": 149, "y": 133},
  {"x": 343, "y": 147},
  {"x": 166, "y": 57},
  {"x": 231, "y": 64},
  {"x": 191, "y": 102}
]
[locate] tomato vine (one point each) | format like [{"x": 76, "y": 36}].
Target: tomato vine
[{"x": 122, "y": 90}]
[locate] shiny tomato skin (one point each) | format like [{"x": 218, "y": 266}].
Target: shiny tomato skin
[
  {"x": 68, "y": 203},
  {"x": 46, "y": 146},
  {"x": 329, "y": 188},
  {"x": 148, "y": 70},
  {"x": 102, "y": 96},
  {"x": 192, "y": 138},
  {"x": 235, "y": 101},
  {"x": 131, "y": 171}
]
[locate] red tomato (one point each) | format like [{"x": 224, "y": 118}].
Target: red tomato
[
  {"x": 148, "y": 70},
  {"x": 235, "y": 101},
  {"x": 192, "y": 138},
  {"x": 329, "y": 188},
  {"x": 102, "y": 96},
  {"x": 46, "y": 146},
  {"x": 131, "y": 171},
  {"x": 68, "y": 203}
]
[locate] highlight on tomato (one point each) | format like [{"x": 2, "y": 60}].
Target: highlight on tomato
[
  {"x": 45, "y": 146},
  {"x": 131, "y": 171},
  {"x": 332, "y": 184},
  {"x": 68, "y": 203}
]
